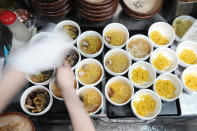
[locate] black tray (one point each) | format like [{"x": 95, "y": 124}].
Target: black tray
[{"x": 58, "y": 110}]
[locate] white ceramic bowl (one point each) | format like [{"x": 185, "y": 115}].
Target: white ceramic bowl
[
  {"x": 90, "y": 33},
  {"x": 116, "y": 79},
  {"x": 186, "y": 45},
  {"x": 170, "y": 54},
  {"x": 154, "y": 95},
  {"x": 140, "y": 37},
  {"x": 59, "y": 26},
  {"x": 27, "y": 92},
  {"x": 71, "y": 47},
  {"x": 115, "y": 26},
  {"x": 87, "y": 61},
  {"x": 188, "y": 70},
  {"x": 42, "y": 36},
  {"x": 165, "y": 29},
  {"x": 175, "y": 80},
  {"x": 116, "y": 51},
  {"x": 41, "y": 83},
  {"x": 145, "y": 66},
  {"x": 183, "y": 17},
  {"x": 51, "y": 88},
  {"x": 83, "y": 89}
]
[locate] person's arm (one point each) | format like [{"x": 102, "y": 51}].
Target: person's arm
[
  {"x": 10, "y": 82},
  {"x": 79, "y": 117}
]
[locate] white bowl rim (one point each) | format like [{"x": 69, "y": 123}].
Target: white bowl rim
[
  {"x": 65, "y": 22},
  {"x": 51, "y": 85},
  {"x": 27, "y": 92},
  {"x": 86, "y": 34},
  {"x": 139, "y": 86},
  {"x": 170, "y": 42},
  {"x": 142, "y": 37},
  {"x": 181, "y": 63},
  {"x": 179, "y": 81},
  {"x": 77, "y": 50},
  {"x": 141, "y": 91},
  {"x": 188, "y": 90},
  {"x": 122, "y": 78},
  {"x": 119, "y": 25},
  {"x": 92, "y": 87},
  {"x": 164, "y": 48},
  {"x": 117, "y": 50},
  {"x": 184, "y": 17},
  {"x": 82, "y": 63},
  {"x": 41, "y": 83}
]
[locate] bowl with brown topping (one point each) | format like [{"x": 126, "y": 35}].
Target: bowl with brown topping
[
  {"x": 36, "y": 100},
  {"x": 70, "y": 29},
  {"x": 73, "y": 56}
]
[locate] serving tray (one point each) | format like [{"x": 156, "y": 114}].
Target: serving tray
[{"x": 109, "y": 112}]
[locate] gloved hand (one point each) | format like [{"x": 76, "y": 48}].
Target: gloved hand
[{"x": 41, "y": 54}]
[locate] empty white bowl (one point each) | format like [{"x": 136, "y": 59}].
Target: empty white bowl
[
  {"x": 139, "y": 37},
  {"x": 146, "y": 66},
  {"x": 154, "y": 95},
  {"x": 71, "y": 47},
  {"x": 115, "y": 26},
  {"x": 110, "y": 52},
  {"x": 88, "y": 61},
  {"x": 175, "y": 80},
  {"x": 113, "y": 79},
  {"x": 165, "y": 29},
  {"x": 183, "y": 17},
  {"x": 186, "y": 45},
  {"x": 41, "y": 83},
  {"x": 189, "y": 70},
  {"x": 51, "y": 88},
  {"x": 59, "y": 29},
  {"x": 83, "y": 89},
  {"x": 90, "y": 33},
  {"x": 170, "y": 54},
  {"x": 27, "y": 92}
]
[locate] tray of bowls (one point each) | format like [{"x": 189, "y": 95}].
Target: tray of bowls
[{"x": 120, "y": 73}]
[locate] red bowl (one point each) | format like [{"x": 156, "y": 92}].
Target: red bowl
[
  {"x": 104, "y": 2},
  {"x": 98, "y": 19},
  {"x": 97, "y": 15},
  {"x": 47, "y": 4},
  {"x": 96, "y": 8}
]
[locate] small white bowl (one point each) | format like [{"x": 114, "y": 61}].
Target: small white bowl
[
  {"x": 188, "y": 70},
  {"x": 41, "y": 83},
  {"x": 183, "y": 17},
  {"x": 116, "y": 51},
  {"x": 170, "y": 54},
  {"x": 165, "y": 29},
  {"x": 116, "y": 79},
  {"x": 141, "y": 37},
  {"x": 39, "y": 37},
  {"x": 154, "y": 95},
  {"x": 59, "y": 26},
  {"x": 186, "y": 45},
  {"x": 27, "y": 92},
  {"x": 51, "y": 88},
  {"x": 87, "y": 61},
  {"x": 83, "y": 89},
  {"x": 175, "y": 80},
  {"x": 90, "y": 33},
  {"x": 115, "y": 26},
  {"x": 146, "y": 66},
  {"x": 71, "y": 47}
]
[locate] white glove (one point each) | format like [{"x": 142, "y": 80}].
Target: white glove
[{"x": 40, "y": 54}]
